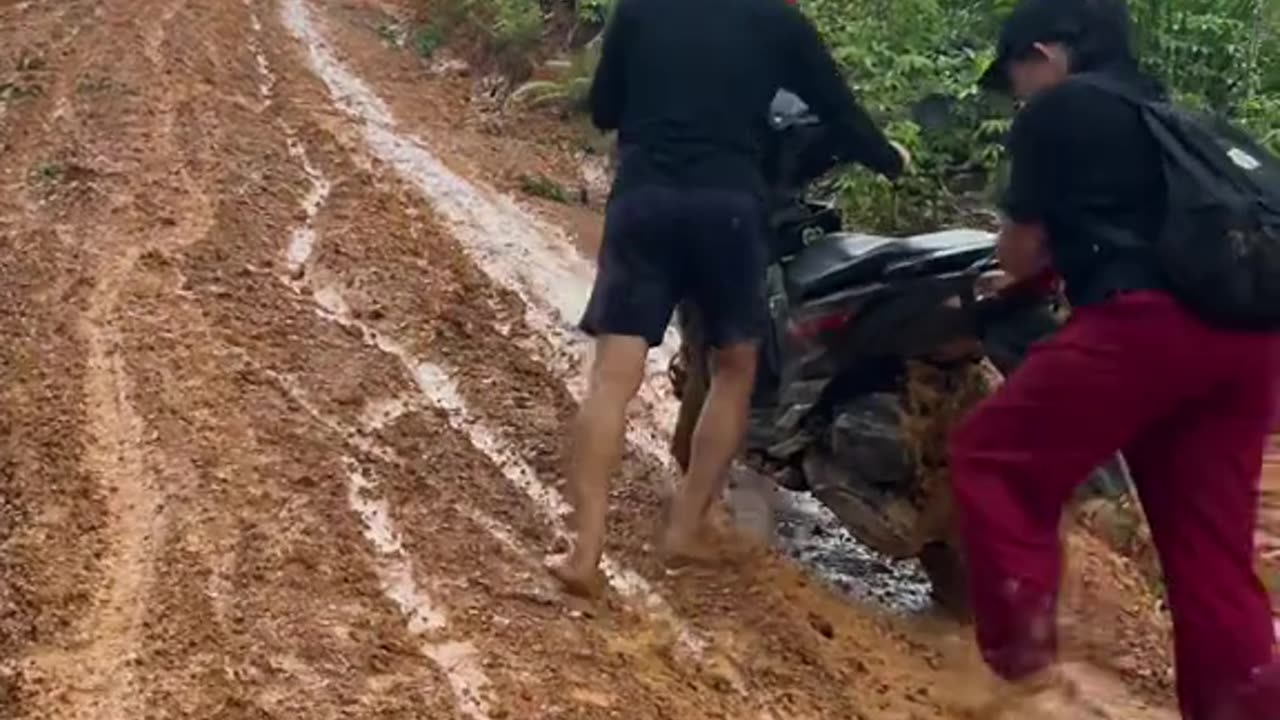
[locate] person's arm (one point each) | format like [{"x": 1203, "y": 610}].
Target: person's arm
[
  {"x": 1022, "y": 245},
  {"x": 607, "y": 87},
  {"x": 812, "y": 74}
]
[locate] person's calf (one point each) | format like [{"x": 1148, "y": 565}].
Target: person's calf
[
  {"x": 716, "y": 441},
  {"x": 597, "y": 447}
]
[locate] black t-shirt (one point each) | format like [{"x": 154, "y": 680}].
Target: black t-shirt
[
  {"x": 1086, "y": 166},
  {"x": 687, "y": 84}
]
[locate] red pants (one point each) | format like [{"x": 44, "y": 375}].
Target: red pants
[{"x": 1191, "y": 408}]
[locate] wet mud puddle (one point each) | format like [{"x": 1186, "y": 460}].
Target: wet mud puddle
[{"x": 800, "y": 527}]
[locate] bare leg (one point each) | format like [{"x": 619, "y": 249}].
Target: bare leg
[
  {"x": 598, "y": 435},
  {"x": 716, "y": 441}
]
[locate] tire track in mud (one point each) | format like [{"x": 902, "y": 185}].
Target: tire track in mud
[
  {"x": 102, "y": 672},
  {"x": 295, "y": 622},
  {"x": 456, "y": 659},
  {"x": 84, "y": 653},
  {"x": 102, "y": 669}
]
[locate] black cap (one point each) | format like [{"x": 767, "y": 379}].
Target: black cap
[{"x": 1098, "y": 31}]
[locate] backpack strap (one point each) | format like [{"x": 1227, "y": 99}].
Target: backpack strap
[
  {"x": 1115, "y": 237},
  {"x": 1167, "y": 124}
]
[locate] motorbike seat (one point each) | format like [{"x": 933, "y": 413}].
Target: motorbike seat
[{"x": 843, "y": 260}]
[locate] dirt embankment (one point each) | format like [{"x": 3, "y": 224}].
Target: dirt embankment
[{"x": 284, "y": 376}]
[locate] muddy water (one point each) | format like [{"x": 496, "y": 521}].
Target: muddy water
[
  {"x": 811, "y": 535},
  {"x": 800, "y": 527}
]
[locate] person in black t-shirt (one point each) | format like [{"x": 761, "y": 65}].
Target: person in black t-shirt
[
  {"x": 1189, "y": 405},
  {"x": 687, "y": 85}
]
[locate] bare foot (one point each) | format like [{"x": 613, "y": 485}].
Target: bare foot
[
  {"x": 583, "y": 582},
  {"x": 707, "y": 545}
]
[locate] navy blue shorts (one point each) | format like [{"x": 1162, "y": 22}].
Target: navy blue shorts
[{"x": 663, "y": 246}]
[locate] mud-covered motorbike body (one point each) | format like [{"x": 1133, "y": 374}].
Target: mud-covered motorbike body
[{"x": 876, "y": 346}]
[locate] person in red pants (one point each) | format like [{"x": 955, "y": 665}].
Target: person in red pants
[{"x": 1188, "y": 404}]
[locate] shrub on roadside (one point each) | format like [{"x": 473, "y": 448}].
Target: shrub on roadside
[{"x": 1222, "y": 55}]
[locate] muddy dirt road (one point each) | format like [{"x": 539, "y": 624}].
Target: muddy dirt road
[{"x": 280, "y": 395}]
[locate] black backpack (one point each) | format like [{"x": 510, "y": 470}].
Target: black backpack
[{"x": 1219, "y": 247}]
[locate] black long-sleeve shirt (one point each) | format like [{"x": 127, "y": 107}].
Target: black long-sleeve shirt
[
  {"x": 1083, "y": 160},
  {"x": 687, "y": 84}
]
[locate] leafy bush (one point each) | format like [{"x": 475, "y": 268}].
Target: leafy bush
[
  {"x": 915, "y": 66},
  {"x": 516, "y": 25},
  {"x": 1222, "y": 55}
]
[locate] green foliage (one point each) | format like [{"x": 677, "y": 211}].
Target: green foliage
[
  {"x": 1261, "y": 113},
  {"x": 516, "y": 24},
  {"x": 427, "y": 40},
  {"x": 915, "y": 66},
  {"x": 1222, "y": 55},
  {"x": 1219, "y": 55},
  {"x": 509, "y": 31}
]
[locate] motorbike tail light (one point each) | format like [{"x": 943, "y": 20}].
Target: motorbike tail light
[{"x": 811, "y": 328}]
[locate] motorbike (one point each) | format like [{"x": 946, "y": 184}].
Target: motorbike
[{"x": 876, "y": 347}]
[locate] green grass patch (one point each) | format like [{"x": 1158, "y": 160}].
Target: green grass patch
[{"x": 541, "y": 186}]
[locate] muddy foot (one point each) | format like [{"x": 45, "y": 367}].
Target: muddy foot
[
  {"x": 584, "y": 583},
  {"x": 681, "y": 555},
  {"x": 708, "y": 546}
]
